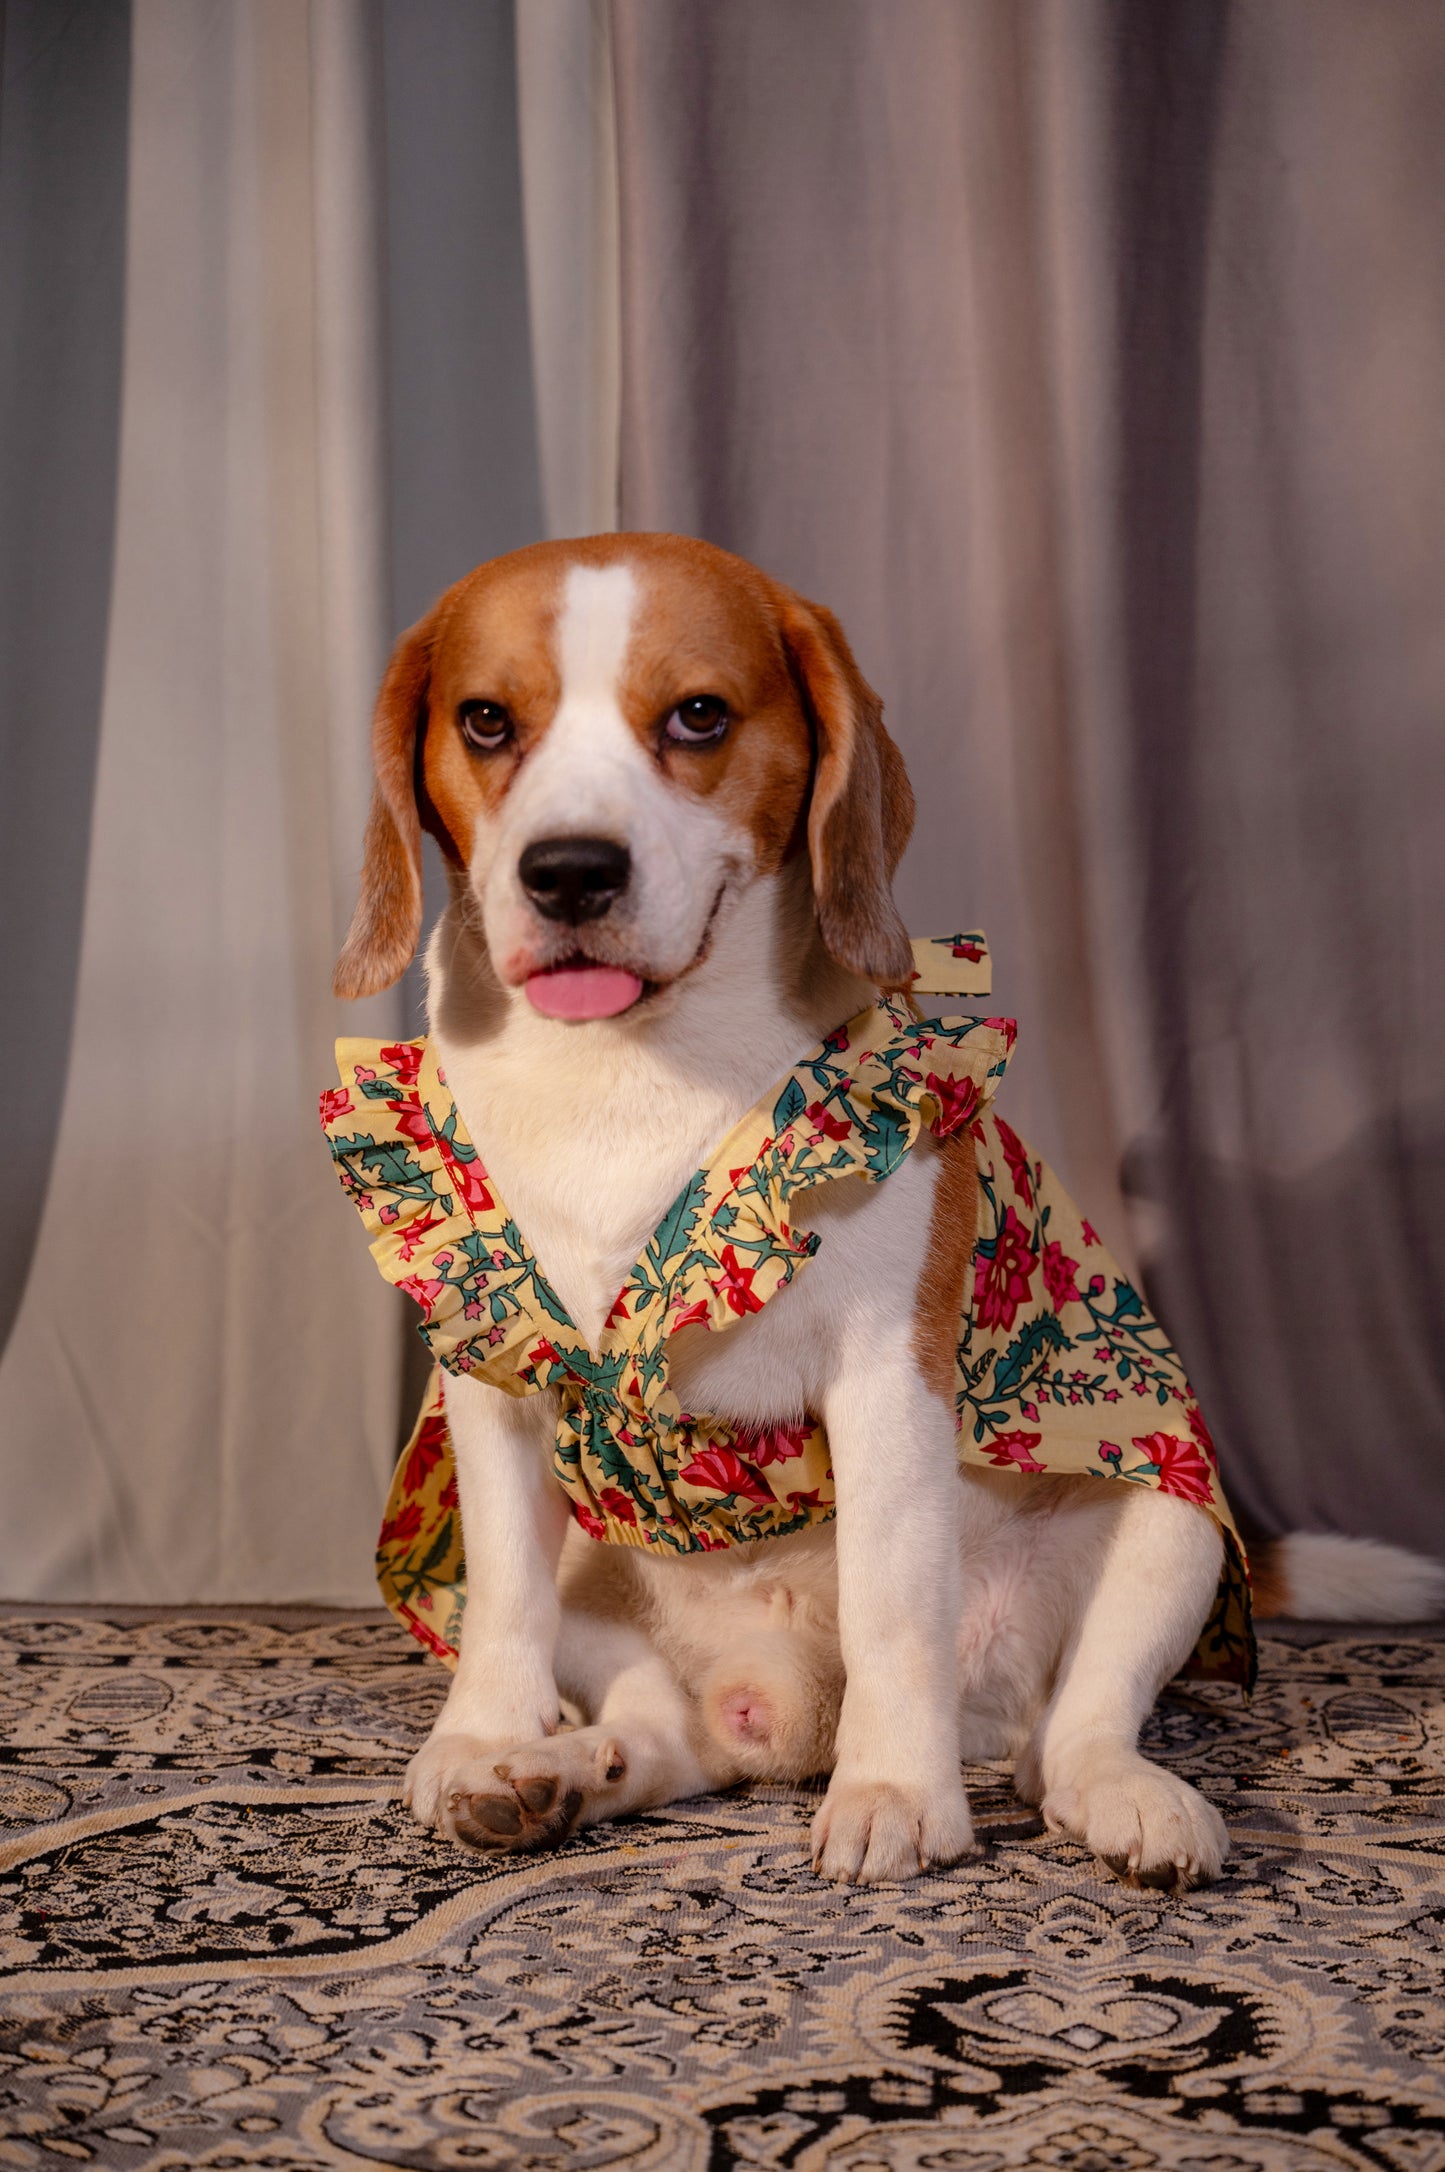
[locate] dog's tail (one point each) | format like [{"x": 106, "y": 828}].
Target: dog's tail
[{"x": 1319, "y": 1576}]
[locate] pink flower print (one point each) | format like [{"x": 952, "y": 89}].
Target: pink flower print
[
  {"x": 1182, "y": 1469},
  {"x": 443, "y": 1259},
  {"x": 1017, "y": 1159},
  {"x": 721, "y": 1471},
  {"x": 472, "y": 1309},
  {"x": 1031, "y": 1411},
  {"x": 404, "y": 1058},
  {"x": 1111, "y": 1395},
  {"x": 1014, "y": 1451},
  {"x": 1139, "y": 1387},
  {"x": 335, "y": 1102},
  {"x": 958, "y": 1102},
  {"x": 617, "y": 1504},
  {"x": 1091, "y": 1236},
  {"x": 423, "y": 1288},
  {"x": 389, "y": 1214},
  {"x": 1096, "y": 1285},
  {"x": 361, "y": 1074},
  {"x": 773, "y": 1444},
  {"x": 691, "y": 1315},
  {"x": 1001, "y": 1284},
  {"x": 736, "y": 1283},
  {"x": 1008, "y": 1027}
]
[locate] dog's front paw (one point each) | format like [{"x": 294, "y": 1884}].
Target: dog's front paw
[
  {"x": 1147, "y": 1826},
  {"x": 875, "y": 1832},
  {"x": 514, "y": 1801}
]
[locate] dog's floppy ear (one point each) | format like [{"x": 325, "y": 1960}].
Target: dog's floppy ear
[
  {"x": 861, "y": 812},
  {"x": 386, "y": 925}
]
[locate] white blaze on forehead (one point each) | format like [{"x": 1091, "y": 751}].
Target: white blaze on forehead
[{"x": 593, "y": 630}]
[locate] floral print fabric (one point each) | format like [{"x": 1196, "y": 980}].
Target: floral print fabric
[{"x": 1060, "y": 1366}]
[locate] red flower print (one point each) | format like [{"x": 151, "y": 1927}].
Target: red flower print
[
  {"x": 824, "y": 1125},
  {"x": 971, "y": 951},
  {"x": 736, "y": 1284},
  {"x": 425, "y": 1452},
  {"x": 404, "y": 1058},
  {"x": 471, "y": 1182},
  {"x": 617, "y": 1504},
  {"x": 1194, "y": 1419},
  {"x": 421, "y": 1227},
  {"x": 1001, "y": 1284},
  {"x": 1059, "y": 1275},
  {"x": 449, "y": 1496},
  {"x": 797, "y": 1502},
  {"x": 1091, "y": 1236},
  {"x": 692, "y": 1316},
  {"x": 619, "y": 1310},
  {"x": 958, "y": 1103},
  {"x": 1015, "y": 1451},
  {"x": 427, "y": 1636},
  {"x": 1017, "y": 1159},
  {"x": 590, "y": 1521},
  {"x": 1182, "y": 1469},
  {"x": 423, "y": 1288},
  {"x": 543, "y": 1349},
  {"x": 335, "y": 1102},
  {"x": 402, "y": 1528},
  {"x": 411, "y": 1121},
  {"x": 1008, "y": 1027},
  {"x": 773, "y": 1444},
  {"x": 720, "y": 1471}
]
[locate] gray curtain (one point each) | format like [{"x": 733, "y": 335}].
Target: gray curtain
[
  {"x": 1084, "y": 355},
  {"x": 1087, "y": 358}
]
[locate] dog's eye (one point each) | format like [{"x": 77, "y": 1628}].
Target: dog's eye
[
  {"x": 697, "y": 721},
  {"x": 485, "y": 725}
]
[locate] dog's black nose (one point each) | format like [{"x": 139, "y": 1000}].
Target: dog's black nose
[{"x": 574, "y": 878}]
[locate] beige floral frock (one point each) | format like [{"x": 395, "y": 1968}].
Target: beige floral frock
[{"x": 1060, "y": 1366}]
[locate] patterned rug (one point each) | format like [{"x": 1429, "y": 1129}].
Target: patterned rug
[{"x": 226, "y": 1947}]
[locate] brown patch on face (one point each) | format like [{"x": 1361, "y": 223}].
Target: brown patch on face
[
  {"x": 804, "y": 755},
  {"x": 707, "y": 623},
  {"x": 952, "y": 1232},
  {"x": 494, "y": 644},
  {"x": 1268, "y": 1581}
]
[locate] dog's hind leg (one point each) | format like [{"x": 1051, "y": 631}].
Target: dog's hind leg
[
  {"x": 641, "y": 1747},
  {"x": 1140, "y": 1615}
]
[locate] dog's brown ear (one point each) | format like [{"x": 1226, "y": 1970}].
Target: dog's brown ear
[
  {"x": 861, "y": 812},
  {"x": 386, "y": 925}
]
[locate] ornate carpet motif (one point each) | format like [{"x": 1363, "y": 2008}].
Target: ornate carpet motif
[{"x": 227, "y": 1947}]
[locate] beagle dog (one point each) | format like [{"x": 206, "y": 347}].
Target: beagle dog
[{"x": 670, "y": 815}]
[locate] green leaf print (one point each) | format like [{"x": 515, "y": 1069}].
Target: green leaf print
[
  {"x": 887, "y": 1141},
  {"x": 672, "y": 1232},
  {"x": 1039, "y": 1335},
  {"x": 789, "y": 1105}
]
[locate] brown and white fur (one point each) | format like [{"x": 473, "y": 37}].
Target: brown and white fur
[{"x": 942, "y": 1616}]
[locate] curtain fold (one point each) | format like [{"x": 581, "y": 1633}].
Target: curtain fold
[
  {"x": 199, "y": 1399},
  {"x": 1085, "y": 356}
]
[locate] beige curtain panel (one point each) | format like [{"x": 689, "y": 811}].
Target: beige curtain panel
[{"x": 1084, "y": 355}]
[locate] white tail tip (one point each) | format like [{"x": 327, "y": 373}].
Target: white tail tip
[{"x": 1320, "y": 1576}]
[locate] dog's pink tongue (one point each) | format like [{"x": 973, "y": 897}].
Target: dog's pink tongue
[{"x": 583, "y": 991}]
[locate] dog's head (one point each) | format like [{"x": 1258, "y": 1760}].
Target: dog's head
[{"x": 610, "y": 740}]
